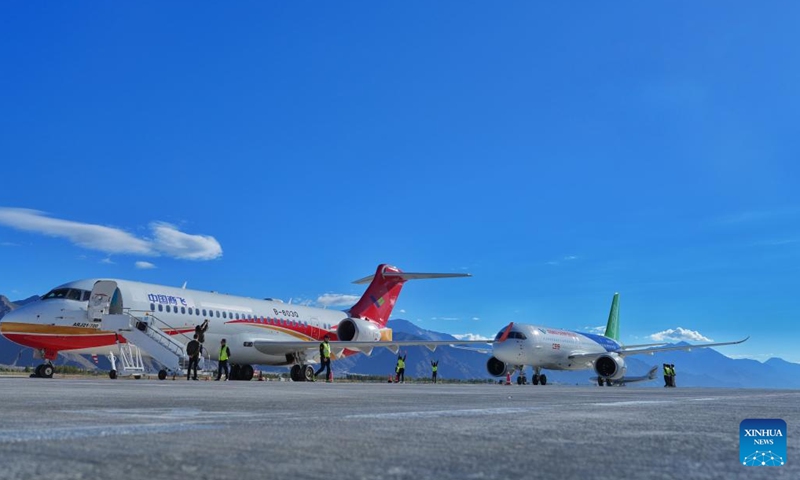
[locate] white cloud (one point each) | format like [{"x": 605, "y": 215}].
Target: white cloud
[
  {"x": 476, "y": 318},
  {"x": 679, "y": 334},
  {"x": 571, "y": 257},
  {"x": 107, "y": 261},
  {"x": 144, "y": 265},
  {"x": 449, "y": 319},
  {"x": 173, "y": 242},
  {"x": 600, "y": 330},
  {"x": 402, "y": 311},
  {"x": 167, "y": 239},
  {"x": 337, "y": 300},
  {"x": 471, "y": 336}
]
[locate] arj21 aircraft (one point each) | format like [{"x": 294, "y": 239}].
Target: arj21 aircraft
[
  {"x": 519, "y": 345},
  {"x": 98, "y": 316}
]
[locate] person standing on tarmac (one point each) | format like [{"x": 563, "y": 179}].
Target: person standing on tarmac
[
  {"x": 325, "y": 359},
  {"x": 671, "y": 374},
  {"x": 224, "y": 355},
  {"x": 434, "y": 370},
  {"x": 666, "y": 374},
  {"x": 193, "y": 351},
  {"x": 401, "y": 368}
]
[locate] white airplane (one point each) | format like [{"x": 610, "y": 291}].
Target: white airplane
[
  {"x": 95, "y": 316},
  {"x": 519, "y": 345}
]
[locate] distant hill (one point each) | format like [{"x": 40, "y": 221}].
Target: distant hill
[{"x": 703, "y": 367}]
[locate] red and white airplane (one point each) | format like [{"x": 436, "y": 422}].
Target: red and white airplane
[{"x": 94, "y": 316}]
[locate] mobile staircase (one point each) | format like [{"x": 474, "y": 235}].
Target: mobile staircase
[{"x": 141, "y": 333}]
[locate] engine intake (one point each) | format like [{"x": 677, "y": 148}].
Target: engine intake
[
  {"x": 610, "y": 366},
  {"x": 496, "y": 368},
  {"x": 358, "y": 330}
]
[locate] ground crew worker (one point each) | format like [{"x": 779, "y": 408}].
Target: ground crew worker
[
  {"x": 193, "y": 351},
  {"x": 666, "y": 374},
  {"x": 325, "y": 358},
  {"x": 671, "y": 374},
  {"x": 224, "y": 355},
  {"x": 434, "y": 370},
  {"x": 401, "y": 368},
  {"x": 200, "y": 335}
]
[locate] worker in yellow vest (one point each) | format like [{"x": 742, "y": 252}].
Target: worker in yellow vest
[
  {"x": 401, "y": 369},
  {"x": 325, "y": 358},
  {"x": 434, "y": 370},
  {"x": 224, "y": 355}
]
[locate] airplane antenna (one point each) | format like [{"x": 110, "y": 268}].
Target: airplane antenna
[{"x": 184, "y": 284}]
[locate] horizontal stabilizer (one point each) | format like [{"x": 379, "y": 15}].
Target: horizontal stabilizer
[{"x": 411, "y": 276}]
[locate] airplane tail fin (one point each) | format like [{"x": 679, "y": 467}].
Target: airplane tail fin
[
  {"x": 384, "y": 287},
  {"x": 612, "y": 327}
]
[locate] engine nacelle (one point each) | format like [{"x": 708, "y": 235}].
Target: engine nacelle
[
  {"x": 358, "y": 330},
  {"x": 610, "y": 366},
  {"x": 496, "y": 368}
]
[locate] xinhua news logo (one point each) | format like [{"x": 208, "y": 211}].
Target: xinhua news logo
[{"x": 762, "y": 442}]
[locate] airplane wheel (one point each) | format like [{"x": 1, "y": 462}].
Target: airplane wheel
[
  {"x": 246, "y": 373},
  {"x": 599, "y": 381},
  {"x": 38, "y": 371},
  {"x": 236, "y": 372},
  {"x": 543, "y": 379},
  {"x": 294, "y": 373},
  {"x": 535, "y": 379},
  {"x": 112, "y": 374},
  {"x": 162, "y": 374},
  {"x": 609, "y": 383},
  {"x": 308, "y": 373},
  {"x": 519, "y": 380},
  {"x": 47, "y": 371}
]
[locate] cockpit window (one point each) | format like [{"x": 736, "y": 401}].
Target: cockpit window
[
  {"x": 68, "y": 294},
  {"x": 512, "y": 334}
]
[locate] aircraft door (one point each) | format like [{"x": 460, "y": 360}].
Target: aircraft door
[{"x": 104, "y": 298}]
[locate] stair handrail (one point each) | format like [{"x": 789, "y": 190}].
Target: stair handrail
[{"x": 162, "y": 337}]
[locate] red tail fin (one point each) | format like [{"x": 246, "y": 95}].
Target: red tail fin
[{"x": 378, "y": 301}]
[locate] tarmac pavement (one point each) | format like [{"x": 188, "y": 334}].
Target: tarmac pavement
[{"x": 103, "y": 429}]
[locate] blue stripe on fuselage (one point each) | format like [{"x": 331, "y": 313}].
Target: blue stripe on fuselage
[{"x": 605, "y": 342}]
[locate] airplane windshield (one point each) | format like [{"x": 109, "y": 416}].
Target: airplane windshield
[
  {"x": 517, "y": 335},
  {"x": 68, "y": 294}
]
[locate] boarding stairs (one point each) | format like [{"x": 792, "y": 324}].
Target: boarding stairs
[{"x": 143, "y": 333}]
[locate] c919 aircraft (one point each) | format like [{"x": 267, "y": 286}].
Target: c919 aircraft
[
  {"x": 97, "y": 316},
  {"x": 519, "y": 345}
]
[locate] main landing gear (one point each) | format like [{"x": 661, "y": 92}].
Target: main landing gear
[
  {"x": 302, "y": 373},
  {"x": 242, "y": 372},
  {"x": 539, "y": 378},
  {"x": 45, "y": 370},
  {"x": 608, "y": 382}
]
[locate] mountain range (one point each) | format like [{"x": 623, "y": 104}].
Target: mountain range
[{"x": 702, "y": 367}]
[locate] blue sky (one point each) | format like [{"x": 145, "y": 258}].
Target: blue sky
[{"x": 559, "y": 153}]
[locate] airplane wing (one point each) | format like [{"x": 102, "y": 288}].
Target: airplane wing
[
  {"x": 651, "y": 375},
  {"x": 272, "y": 347},
  {"x": 633, "y": 350}
]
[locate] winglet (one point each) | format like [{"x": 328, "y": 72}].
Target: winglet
[{"x": 612, "y": 327}]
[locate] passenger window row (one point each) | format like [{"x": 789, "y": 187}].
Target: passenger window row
[{"x": 223, "y": 314}]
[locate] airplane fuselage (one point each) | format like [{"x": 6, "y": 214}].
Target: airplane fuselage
[
  {"x": 61, "y": 321},
  {"x": 548, "y": 347}
]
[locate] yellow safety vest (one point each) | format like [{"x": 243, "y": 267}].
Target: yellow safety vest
[
  {"x": 666, "y": 371},
  {"x": 435, "y": 367},
  {"x": 326, "y": 349},
  {"x": 223, "y": 353},
  {"x": 401, "y": 364}
]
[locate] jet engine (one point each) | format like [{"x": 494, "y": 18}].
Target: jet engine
[
  {"x": 358, "y": 330},
  {"x": 496, "y": 368},
  {"x": 610, "y": 366}
]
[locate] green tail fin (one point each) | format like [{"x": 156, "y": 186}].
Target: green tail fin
[{"x": 612, "y": 328}]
